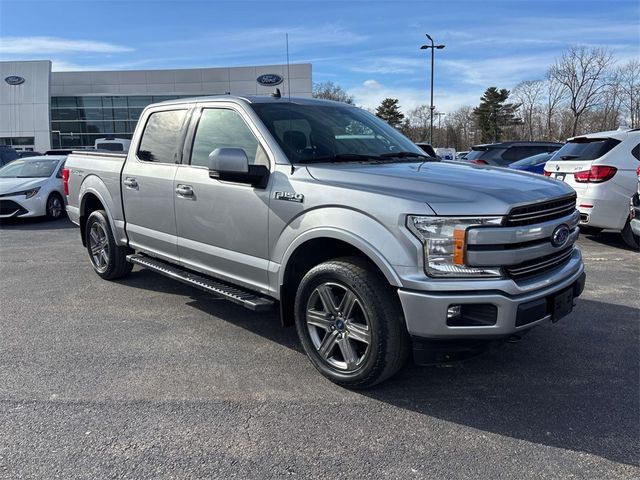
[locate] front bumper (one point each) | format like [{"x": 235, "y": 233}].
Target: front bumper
[
  {"x": 426, "y": 312},
  {"x": 19, "y": 206}
]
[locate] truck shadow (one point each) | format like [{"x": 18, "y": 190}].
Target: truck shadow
[
  {"x": 608, "y": 238},
  {"x": 571, "y": 385}
]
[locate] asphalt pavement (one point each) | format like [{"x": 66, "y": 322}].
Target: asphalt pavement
[{"x": 149, "y": 378}]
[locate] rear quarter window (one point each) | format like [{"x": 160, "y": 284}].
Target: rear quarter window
[
  {"x": 636, "y": 152},
  {"x": 160, "y": 137}
]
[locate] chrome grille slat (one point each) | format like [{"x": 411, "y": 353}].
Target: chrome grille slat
[
  {"x": 540, "y": 265},
  {"x": 541, "y": 212}
]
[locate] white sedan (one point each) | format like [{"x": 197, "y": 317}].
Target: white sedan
[{"x": 32, "y": 187}]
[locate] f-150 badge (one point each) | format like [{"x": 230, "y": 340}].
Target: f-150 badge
[{"x": 289, "y": 197}]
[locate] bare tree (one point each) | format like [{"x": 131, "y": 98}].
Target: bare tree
[
  {"x": 629, "y": 78},
  {"x": 555, "y": 93},
  {"x": 583, "y": 73},
  {"x": 528, "y": 95}
]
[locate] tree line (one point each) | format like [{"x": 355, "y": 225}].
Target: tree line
[{"x": 583, "y": 91}]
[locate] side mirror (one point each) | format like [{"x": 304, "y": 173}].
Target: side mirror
[{"x": 232, "y": 165}]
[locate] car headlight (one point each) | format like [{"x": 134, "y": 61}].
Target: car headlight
[
  {"x": 32, "y": 192},
  {"x": 444, "y": 240}
]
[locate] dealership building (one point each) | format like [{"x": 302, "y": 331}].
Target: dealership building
[{"x": 41, "y": 109}]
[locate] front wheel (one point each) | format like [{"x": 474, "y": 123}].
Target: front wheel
[
  {"x": 55, "y": 206},
  {"x": 631, "y": 239},
  {"x": 108, "y": 259},
  {"x": 350, "y": 323}
]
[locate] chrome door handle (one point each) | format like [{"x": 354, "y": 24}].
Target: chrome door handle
[
  {"x": 130, "y": 182},
  {"x": 184, "y": 190}
]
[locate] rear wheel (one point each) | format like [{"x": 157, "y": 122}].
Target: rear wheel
[
  {"x": 631, "y": 239},
  {"x": 350, "y": 323},
  {"x": 108, "y": 259},
  {"x": 55, "y": 206}
]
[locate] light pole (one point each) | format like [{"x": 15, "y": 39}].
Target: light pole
[
  {"x": 440, "y": 115},
  {"x": 431, "y": 107}
]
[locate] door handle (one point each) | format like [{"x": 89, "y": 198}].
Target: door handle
[
  {"x": 184, "y": 190},
  {"x": 130, "y": 182}
]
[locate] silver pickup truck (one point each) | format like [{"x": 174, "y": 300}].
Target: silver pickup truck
[{"x": 322, "y": 210}]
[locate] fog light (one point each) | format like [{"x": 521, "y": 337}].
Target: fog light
[{"x": 454, "y": 311}]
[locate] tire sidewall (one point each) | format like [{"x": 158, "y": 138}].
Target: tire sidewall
[
  {"x": 99, "y": 217},
  {"x": 372, "y": 362},
  {"x": 50, "y": 199}
]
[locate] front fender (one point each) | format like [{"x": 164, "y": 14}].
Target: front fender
[{"x": 385, "y": 247}]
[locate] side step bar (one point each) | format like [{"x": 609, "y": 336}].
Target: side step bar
[{"x": 243, "y": 297}]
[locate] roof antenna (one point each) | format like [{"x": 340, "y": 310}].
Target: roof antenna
[{"x": 288, "y": 74}]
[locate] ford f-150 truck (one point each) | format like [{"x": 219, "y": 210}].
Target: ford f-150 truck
[{"x": 366, "y": 244}]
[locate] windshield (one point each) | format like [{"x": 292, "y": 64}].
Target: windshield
[
  {"x": 310, "y": 133},
  {"x": 585, "y": 148},
  {"x": 534, "y": 160},
  {"x": 29, "y": 169},
  {"x": 485, "y": 153}
]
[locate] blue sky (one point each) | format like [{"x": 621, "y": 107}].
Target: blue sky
[{"x": 371, "y": 48}]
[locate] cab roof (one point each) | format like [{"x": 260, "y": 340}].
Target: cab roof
[{"x": 253, "y": 99}]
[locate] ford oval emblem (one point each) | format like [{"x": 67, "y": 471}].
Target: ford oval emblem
[
  {"x": 560, "y": 235},
  {"x": 14, "y": 80},
  {"x": 269, "y": 79}
]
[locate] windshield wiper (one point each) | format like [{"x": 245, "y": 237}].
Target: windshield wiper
[
  {"x": 407, "y": 155},
  {"x": 569, "y": 157}
]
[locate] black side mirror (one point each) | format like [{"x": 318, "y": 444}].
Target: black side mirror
[{"x": 232, "y": 165}]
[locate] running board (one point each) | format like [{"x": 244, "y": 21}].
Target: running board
[{"x": 220, "y": 289}]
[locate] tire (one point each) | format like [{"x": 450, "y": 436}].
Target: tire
[
  {"x": 590, "y": 230},
  {"x": 631, "y": 239},
  {"x": 55, "y": 206},
  {"x": 108, "y": 260},
  {"x": 345, "y": 309}
]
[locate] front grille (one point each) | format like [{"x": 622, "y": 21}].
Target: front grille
[
  {"x": 541, "y": 212},
  {"x": 7, "y": 207},
  {"x": 539, "y": 265}
]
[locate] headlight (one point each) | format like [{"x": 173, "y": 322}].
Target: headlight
[
  {"x": 444, "y": 240},
  {"x": 27, "y": 193}
]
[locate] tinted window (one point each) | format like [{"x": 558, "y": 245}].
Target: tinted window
[
  {"x": 524, "y": 151},
  {"x": 585, "y": 148},
  {"x": 534, "y": 160},
  {"x": 487, "y": 154},
  {"x": 326, "y": 132},
  {"x": 636, "y": 151},
  {"x": 222, "y": 128},
  {"x": 160, "y": 138}
]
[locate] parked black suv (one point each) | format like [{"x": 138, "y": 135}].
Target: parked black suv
[
  {"x": 502, "y": 154},
  {"x": 7, "y": 154}
]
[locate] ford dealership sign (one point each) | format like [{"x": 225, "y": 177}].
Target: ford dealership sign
[
  {"x": 14, "y": 80},
  {"x": 269, "y": 79}
]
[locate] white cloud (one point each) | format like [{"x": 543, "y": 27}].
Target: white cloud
[
  {"x": 371, "y": 92},
  {"x": 390, "y": 65},
  {"x": 48, "y": 45}
]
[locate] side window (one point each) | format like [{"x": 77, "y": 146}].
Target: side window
[
  {"x": 636, "y": 152},
  {"x": 224, "y": 128},
  {"x": 59, "y": 173},
  {"x": 160, "y": 137}
]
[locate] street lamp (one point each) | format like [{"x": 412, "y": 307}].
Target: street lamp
[
  {"x": 440, "y": 115},
  {"x": 433, "y": 49}
]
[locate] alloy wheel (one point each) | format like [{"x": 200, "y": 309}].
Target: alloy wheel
[
  {"x": 54, "y": 206},
  {"x": 338, "y": 326},
  {"x": 99, "y": 247}
]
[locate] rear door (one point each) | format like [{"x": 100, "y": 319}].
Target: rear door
[{"x": 147, "y": 184}]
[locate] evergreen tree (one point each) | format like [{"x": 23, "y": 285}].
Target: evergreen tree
[
  {"x": 389, "y": 111},
  {"x": 493, "y": 113}
]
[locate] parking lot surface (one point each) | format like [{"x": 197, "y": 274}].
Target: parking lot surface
[{"x": 148, "y": 378}]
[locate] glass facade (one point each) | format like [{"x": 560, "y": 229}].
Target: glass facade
[{"x": 83, "y": 119}]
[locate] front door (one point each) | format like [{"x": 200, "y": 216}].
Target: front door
[
  {"x": 147, "y": 185},
  {"x": 222, "y": 226}
]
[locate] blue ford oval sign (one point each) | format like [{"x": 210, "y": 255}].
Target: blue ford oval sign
[
  {"x": 269, "y": 79},
  {"x": 14, "y": 80}
]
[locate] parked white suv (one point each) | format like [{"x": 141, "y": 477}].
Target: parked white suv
[{"x": 601, "y": 168}]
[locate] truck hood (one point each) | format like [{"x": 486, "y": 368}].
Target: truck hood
[
  {"x": 10, "y": 185},
  {"x": 448, "y": 188}
]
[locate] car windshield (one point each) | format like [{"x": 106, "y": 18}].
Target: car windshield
[
  {"x": 485, "y": 153},
  {"x": 29, "y": 169},
  {"x": 533, "y": 160},
  {"x": 334, "y": 133},
  {"x": 585, "y": 148}
]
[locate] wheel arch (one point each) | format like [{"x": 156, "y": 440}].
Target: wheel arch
[{"x": 90, "y": 202}]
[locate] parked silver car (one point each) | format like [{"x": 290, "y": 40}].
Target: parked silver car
[{"x": 32, "y": 187}]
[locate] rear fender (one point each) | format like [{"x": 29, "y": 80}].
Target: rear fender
[{"x": 92, "y": 184}]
